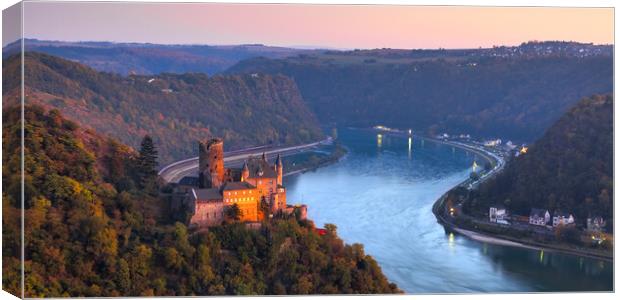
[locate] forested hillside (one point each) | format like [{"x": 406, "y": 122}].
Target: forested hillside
[
  {"x": 486, "y": 96},
  {"x": 93, "y": 228},
  {"x": 570, "y": 167},
  {"x": 177, "y": 110}
]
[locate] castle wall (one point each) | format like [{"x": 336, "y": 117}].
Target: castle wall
[
  {"x": 279, "y": 200},
  {"x": 207, "y": 213},
  {"x": 248, "y": 201},
  {"x": 265, "y": 186}
]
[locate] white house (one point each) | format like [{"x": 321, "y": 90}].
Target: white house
[
  {"x": 498, "y": 214},
  {"x": 493, "y": 143},
  {"x": 539, "y": 217},
  {"x": 596, "y": 224},
  {"x": 561, "y": 217}
]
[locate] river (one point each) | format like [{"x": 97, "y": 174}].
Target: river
[{"x": 381, "y": 195}]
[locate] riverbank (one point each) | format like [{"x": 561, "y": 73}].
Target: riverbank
[
  {"x": 475, "y": 233},
  {"x": 503, "y": 240},
  {"x": 315, "y": 160}
]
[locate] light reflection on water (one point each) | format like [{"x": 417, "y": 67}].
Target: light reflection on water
[{"x": 381, "y": 196}]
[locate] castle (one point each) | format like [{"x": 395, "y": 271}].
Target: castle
[{"x": 256, "y": 188}]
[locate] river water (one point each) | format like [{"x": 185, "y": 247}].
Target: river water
[{"x": 381, "y": 195}]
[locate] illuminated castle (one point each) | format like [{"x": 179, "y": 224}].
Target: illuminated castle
[{"x": 256, "y": 188}]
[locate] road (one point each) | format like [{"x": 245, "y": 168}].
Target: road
[{"x": 177, "y": 170}]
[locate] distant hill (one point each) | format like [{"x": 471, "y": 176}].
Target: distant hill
[
  {"x": 484, "y": 93},
  {"x": 146, "y": 58},
  {"x": 177, "y": 110},
  {"x": 570, "y": 167}
]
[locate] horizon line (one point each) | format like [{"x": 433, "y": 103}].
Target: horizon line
[{"x": 296, "y": 47}]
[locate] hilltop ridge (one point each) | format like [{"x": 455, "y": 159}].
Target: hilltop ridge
[
  {"x": 436, "y": 91},
  {"x": 176, "y": 109}
]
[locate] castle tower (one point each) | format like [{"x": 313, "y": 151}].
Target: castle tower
[
  {"x": 211, "y": 163},
  {"x": 279, "y": 169},
  {"x": 245, "y": 172}
]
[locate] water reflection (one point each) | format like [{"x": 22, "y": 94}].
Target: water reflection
[{"x": 409, "y": 148}]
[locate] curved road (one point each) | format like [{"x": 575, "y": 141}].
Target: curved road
[{"x": 177, "y": 170}]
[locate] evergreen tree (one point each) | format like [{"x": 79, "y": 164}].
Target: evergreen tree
[{"x": 147, "y": 162}]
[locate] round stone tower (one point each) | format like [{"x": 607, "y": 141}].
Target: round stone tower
[{"x": 211, "y": 163}]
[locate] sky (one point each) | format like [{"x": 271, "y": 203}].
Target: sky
[{"x": 330, "y": 26}]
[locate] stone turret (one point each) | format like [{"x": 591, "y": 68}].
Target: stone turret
[
  {"x": 245, "y": 172},
  {"x": 211, "y": 163},
  {"x": 279, "y": 169}
]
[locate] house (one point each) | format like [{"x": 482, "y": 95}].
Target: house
[
  {"x": 595, "y": 224},
  {"x": 498, "y": 214},
  {"x": 561, "y": 217},
  {"x": 539, "y": 217},
  {"x": 493, "y": 143}
]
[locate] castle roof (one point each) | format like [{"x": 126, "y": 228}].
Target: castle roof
[
  {"x": 212, "y": 194},
  {"x": 260, "y": 168},
  {"x": 189, "y": 180},
  {"x": 232, "y": 186}
]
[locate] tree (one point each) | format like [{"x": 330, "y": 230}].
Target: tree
[
  {"x": 147, "y": 162},
  {"x": 331, "y": 228},
  {"x": 123, "y": 279},
  {"x": 264, "y": 206},
  {"x": 233, "y": 212},
  {"x": 172, "y": 259},
  {"x": 568, "y": 234}
]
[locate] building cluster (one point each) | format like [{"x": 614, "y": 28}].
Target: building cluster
[
  {"x": 256, "y": 189},
  {"x": 550, "y": 48},
  {"x": 542, "y": 217}
]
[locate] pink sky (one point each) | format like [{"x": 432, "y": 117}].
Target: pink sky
[{"x": 338, "y": 26}]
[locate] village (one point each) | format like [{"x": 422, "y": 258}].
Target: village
[{"x": 540, "y": 224}]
